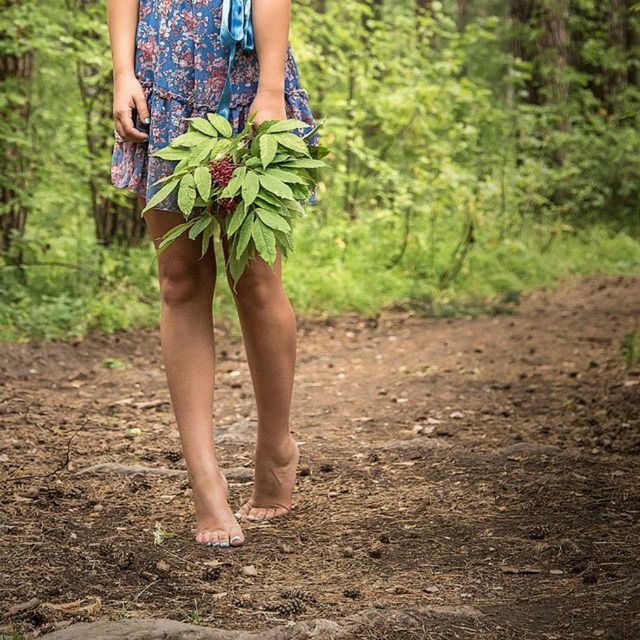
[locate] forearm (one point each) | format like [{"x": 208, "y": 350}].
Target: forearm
[
  {"x": 122, "y": 18},
  {"x": 271, "y": 20}
]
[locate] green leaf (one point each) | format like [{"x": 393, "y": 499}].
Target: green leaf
[
  {"x": 253, "y": 163},
  {"x": 189, "y": 139},
  {"x": 187, "y": 194},
  {"x": 240, "y": 172},
  {"x": 295, "y": 205},
  {"x": 171, "y": 153},
  {"x": 293, "y": 142},
  {"x": 236, "y": 267},
  {"x": 264, "y": 126},
  {"x": 265, "y": 198},
  {"x": 161, "y": 194},
  {"x": 264, "y": 240},
  {"x": 202, "y": 178},
  {"x": 285, "y": 176},
  {"x": 305, "y": 163},
  {"x": 221, "y": 124},
  {"x": 236, "y": 219},
  {"x": 173, "y": 176},
  {"x": 273, "y": 220},
  {"x": 204, "y": 126},
  {"x": 207, "y": 234},
  {"x": 202, "y": 150},
  {"x": 200, "y": 224},
  {"x": 285, "y": 241},
  {"x": 244, "y": 235},
  {"x": 173, "y": 233},
  {"x": 318, "y": 151},
  {"x": 287, "y": 125},
  {"x": 268, "y": 149},
  {"x": 276, "y": 186},
  {"x": 250, "y": 187}
]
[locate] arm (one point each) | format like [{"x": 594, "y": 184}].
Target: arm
[
  {"x": 122, "y": 18},
  {"x": 271, "y": 33}
]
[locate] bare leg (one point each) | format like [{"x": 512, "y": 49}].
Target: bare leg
[
  {"x": 186, "y": 331},
  {"x": 269, "y": 331}
]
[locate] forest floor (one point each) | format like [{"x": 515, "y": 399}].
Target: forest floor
[{"x": 486, "y": 464}]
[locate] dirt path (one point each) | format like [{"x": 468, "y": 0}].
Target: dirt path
[{"x": 488, "y": 462}]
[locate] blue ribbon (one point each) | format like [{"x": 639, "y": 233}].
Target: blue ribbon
[{"x": 236, "y": 31}]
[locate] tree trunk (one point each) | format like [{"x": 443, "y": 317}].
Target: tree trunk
[
  {"x": 117, "y": 221},
  {"x": 556, "y": 37},
  {"x": 16, "y": 71}
]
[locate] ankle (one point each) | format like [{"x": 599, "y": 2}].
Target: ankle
[
  {"x": 278, "y": 450},
  {"x": 204, "y": 473}
]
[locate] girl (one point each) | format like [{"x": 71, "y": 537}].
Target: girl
[{"x": 170, "y": 63}]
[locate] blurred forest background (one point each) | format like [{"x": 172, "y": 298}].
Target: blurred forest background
[{"x": 480, "y": 148}]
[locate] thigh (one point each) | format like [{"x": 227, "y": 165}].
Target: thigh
[{"x": 183, "y": 250}]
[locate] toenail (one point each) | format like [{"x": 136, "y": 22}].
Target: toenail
[
  {"x": 224, "y": 544},
  {"x": 238, "y": 515},
  {"x": 235, "y": 538}
]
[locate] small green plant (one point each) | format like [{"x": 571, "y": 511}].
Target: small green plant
[
  {"x": 116, "y": 363},
  {"x": 160, "y": 534},
  {"x": 195, "y": 616},
  {"x": 631, "y": 348}
]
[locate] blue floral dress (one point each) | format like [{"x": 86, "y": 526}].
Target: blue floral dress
[{"x": 182, "y": 66}]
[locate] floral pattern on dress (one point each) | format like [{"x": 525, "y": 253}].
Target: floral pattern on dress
[{"x": 182, "y": 67}]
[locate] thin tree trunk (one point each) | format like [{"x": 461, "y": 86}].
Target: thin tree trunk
[{"x": 16, "y": 72}]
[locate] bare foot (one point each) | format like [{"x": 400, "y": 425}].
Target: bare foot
[
  {"x": 217, "y": 526},
  {"x": 274, "y": 481}
]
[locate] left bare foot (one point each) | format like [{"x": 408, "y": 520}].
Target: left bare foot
[{"x": 274, "y": 481}]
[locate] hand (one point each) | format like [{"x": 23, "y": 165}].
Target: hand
[
  {"x": 127, "y": 95},
  {"x": 268, "y": 105}
]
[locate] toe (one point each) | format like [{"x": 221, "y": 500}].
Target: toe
[
  {"x": 281, "y": 511},
  {"x": 258, "y": 514},
  {"x": 270, "y": 513},
  {"x": 236, "y": 537},
  {"x": 224, "y": 539}
]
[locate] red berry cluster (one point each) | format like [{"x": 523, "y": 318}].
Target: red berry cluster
[
  {"x": 227, "y": 203},
  {"x": 222, "y": 170}
]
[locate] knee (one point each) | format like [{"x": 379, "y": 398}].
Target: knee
[
  {"x": 256, "y": 294},
  {"x": 179, "y": 282}
]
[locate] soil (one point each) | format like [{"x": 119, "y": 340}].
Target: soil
[{"x": 488, "y": 462}]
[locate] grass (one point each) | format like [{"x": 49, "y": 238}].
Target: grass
[
  {"x": 631, "y": 349},
  {"x": 117, "y": 289}
]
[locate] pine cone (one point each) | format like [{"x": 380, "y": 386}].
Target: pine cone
[
  {"x": 211, "y": 574},
  {"x": 243, "y": 602},
  {"x": 298, "y": 594},
  {"x": 288, "y": 608},
  {"x": 172, "y": 454}
]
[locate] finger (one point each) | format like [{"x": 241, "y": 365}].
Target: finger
[
  {"x": 140, "y": 101},
  {"x": 130, "y": 132},
  {"x": 119, "y": 130}
]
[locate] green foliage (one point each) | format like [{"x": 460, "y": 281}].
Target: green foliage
[
  {"x": 273, "y": 172},
  {"x": 473, "y": 157},
  {"x": 631, "y": 348}
]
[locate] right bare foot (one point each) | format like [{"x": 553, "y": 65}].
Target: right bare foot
[{"x": 216, "y": 524}]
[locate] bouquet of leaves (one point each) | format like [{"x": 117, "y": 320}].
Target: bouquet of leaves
[{"x": 251, "y": 185}]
